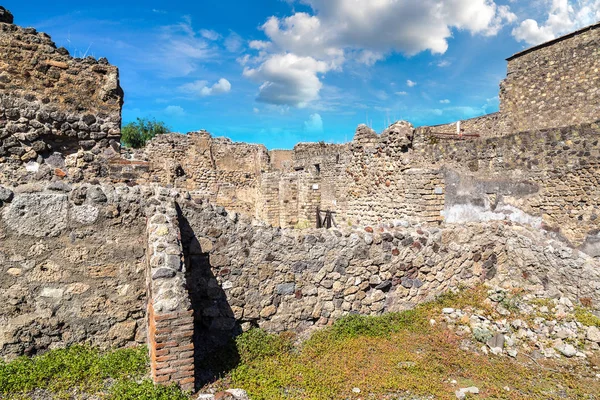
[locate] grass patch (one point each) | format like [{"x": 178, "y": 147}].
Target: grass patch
[
  {"x": 395, "y": 355},
  {"x": 116, "y": 374},
  {"x": 586, "y": 317}
]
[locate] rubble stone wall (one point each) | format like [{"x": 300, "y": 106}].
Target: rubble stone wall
[
  {"x": 243, "y": 275},
  {"x": 214, "y": 168},
  {"x": 490, "y": 125},
  {"x": 551, "y": 176},
  {"x": 555, "y": 84},
  {"x": 72, "y": 263},
  {"x": 59, "y": 116}
]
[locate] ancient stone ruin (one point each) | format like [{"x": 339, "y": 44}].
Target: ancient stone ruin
[{"x": 194, "y": 239}]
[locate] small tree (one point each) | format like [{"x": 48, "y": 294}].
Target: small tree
[{"x": 136, "y": 134}]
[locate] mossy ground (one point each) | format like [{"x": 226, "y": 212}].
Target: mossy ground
[
  {"x": 395, "y": 356},
  {"x": 81, "y": 371}
]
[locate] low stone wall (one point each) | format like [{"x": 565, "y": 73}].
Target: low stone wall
[
  {"x": 72, "y": 263},
  {"x": 243, "y": 275},
  {"x": 74, "y": 260}
]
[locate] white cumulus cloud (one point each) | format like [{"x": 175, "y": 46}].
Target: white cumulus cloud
[
  {"x": 563, "y": 16},
  {"x": 365, "y": 31},
  {"x": 202, "y": 88},
  {"x": 175, "y": 111},
  {"x": 288, "y": 79},
  {"x": 445, "y": 101},
  {"x": 410, "y": 83}
]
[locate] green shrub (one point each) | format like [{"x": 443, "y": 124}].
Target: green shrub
[
  {"x": 256, "y": 344},
  {"x": 136, "y": 134}
]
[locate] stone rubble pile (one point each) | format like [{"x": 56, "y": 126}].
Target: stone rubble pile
[{"x": 537, "y": 327}]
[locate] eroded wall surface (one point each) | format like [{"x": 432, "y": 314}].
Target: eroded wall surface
[
  {"x": 241, "y": 274},
  {"x": 547, "y": 179},
  {"x": 59, "y": 116},
  {"x": 72, "y": 263}
]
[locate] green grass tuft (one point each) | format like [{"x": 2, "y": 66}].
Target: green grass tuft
[
  {"x": 586, "y": 317},
  {"x": 83, "y": 369},
  {"x": 145, "y": 390}
]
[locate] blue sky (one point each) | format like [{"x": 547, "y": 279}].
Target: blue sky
[{"x": 279, "y": 72}]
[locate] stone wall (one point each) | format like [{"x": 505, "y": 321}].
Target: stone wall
[
  {"x": 59, "y": 116},
  {"x": 384, "y": 184},
  {"x": 72, "y": 263},
  {"x": 554, "y": 84},
  {"x": 170, "y": 316},
  {"x": 490, "y": 125},
  {"x": 545, "y": 178},
  {"x": 242, "y": 275},
  {"x": 214, "y": 168}
]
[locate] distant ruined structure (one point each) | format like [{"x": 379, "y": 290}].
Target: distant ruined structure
[{"x": 184, "y": 244}]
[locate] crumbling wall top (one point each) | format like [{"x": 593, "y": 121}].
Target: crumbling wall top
[{"x": 6, "y": 16}]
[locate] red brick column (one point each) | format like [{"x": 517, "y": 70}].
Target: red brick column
[{"x": 172, "y": 347}]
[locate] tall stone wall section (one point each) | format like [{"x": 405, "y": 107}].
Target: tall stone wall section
[
  {"x": 555, "y": 84},
  {"x": 72, "y": 262},
  {"x": 59, "y": 116},
  {"x": 385, "y": 185},
  {"x": 214, "y": 168},
  {"x": 549, "y": 176}
]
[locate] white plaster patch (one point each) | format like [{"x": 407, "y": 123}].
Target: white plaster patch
[
  {"x": 52, "y": 293},
  {"x": 461, "y": 213}
]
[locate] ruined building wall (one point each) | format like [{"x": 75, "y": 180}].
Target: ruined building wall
[
  {"x": 490, "y": 125},
  {"x": 548, "y": 179},
  {"x": 72, "y": 263},
  {"x": 59, "y": 116},
  {"x": 551, "y": 85},
  {"x": 214, "y": 168},
  {"x": 555, "y": 84},
  {"x": 384, "y": 184},
  {"x": 241, "y": 274}
]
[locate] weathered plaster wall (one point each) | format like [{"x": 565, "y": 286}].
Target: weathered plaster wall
[
  {"x": 554, "y": 85},
  {"x": 72, "y": 265},
  {"x": 546, "y": 178},
  {"x": 58, "y": 115}
]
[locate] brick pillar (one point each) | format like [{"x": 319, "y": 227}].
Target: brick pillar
[
  {"x": 170, "y": 316},
  {"x": 172, "y": 348}
]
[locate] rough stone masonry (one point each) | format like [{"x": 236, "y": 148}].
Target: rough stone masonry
[{"x": 188, "y": 242}]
